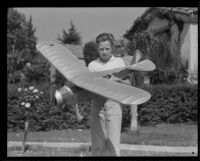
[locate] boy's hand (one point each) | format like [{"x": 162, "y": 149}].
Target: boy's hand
[{"x": 116, "y": 79}]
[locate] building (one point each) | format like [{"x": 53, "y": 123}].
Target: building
[{"x": 182, "y": 23}]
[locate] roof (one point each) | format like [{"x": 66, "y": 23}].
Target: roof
[
  {"x": 77, "y": 50},
  {"x": 190, "y": 14},
  {"x": 185, "y": 14},
  {"x": 183, "y": 10}
]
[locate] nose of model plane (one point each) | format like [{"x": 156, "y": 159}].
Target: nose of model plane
[{"x": 64, "y": 95}]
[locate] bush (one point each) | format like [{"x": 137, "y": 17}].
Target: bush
[
  {"x": 47, "y": 118},
  {"x": 171, "y": 76},
  {"x": 168, "y": 104},
  {"x": 25, "y": 105},
  {"x": 90, "y": 52},
  {"x": 44, "y": 116},
  {"x": 37, "y": 72},
  {"x": 126, "y": 117}
]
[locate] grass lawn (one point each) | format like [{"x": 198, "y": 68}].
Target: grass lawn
[
  {"x": 83, "y": 151},
  {"x": 168, "y": 135}
]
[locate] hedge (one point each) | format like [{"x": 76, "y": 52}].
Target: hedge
[
  {"x": 168, "y": 104},
  {"x": 44, "y": 116}
]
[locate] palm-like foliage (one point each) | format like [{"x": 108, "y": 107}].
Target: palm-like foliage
[
  {"x": 155, "y": 45},
  {"x": 159, "y": 45}
]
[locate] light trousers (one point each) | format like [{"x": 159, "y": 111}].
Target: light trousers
[{"x": 106, "y": 118}]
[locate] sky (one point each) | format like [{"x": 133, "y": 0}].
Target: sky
[{"x": 49, "y": 22}]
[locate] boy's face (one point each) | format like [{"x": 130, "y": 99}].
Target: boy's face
[{"x": 104, "y": 49}]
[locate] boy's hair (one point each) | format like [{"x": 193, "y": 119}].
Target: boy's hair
[{"x": 104, "y": 37}]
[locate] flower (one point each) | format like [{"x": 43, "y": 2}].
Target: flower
[
  {"x": 28, "y": 64},
  {"x": 29, "y": 95},
  {"x": 35, "y": 90},
  {"x": 19, "y": 89},
  {"x": 31, "y": 87},
  {"x": 27, "y": 105}
]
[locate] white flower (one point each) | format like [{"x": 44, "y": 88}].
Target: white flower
[
  {"x": 31, "y": 87},
  {"x": 36, "y": 97},
  {"x": 35, "y": 90},
  {"x": 28, "y": 64},
  {"x": 27, "y": 105},
  {"x": 22, "y": 103},
  {"x": 19, "y": 89},
  {"x": 25, "y": 89}
]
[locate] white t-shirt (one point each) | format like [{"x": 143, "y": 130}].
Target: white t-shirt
[{"x": 114, "y": 62}]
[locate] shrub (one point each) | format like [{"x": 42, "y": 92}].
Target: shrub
[
  {"x": 43, "y": 116},
  {"x": 126, "y": 117},
  {"x": 171, "y": 76},
  {"x": 168, "y": 104},
  {"x": 90, "y": 52},
  {"x": 37, "y": 72}
]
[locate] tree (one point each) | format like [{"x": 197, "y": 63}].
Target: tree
[
  {"x": 15, "y": 30},
  {"x": 30, "y": 39},
  {"x": 155, "y": 46},
  {"x": 160, "y": 45},
  {"x": 70, "y": 37},
  {"x": 139, "y": 25},
  {"x": 28, "y": 53},
  {"x": 21, "y": 48},
  {"x": 15, "y": 41}
]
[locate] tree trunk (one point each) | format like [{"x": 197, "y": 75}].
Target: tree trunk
[
  {"x": 146, "y": 80},
  {"x": 25, "y": 136},
  {"x": 52, "y": 83},
  {"x": 134, "y": 114}
]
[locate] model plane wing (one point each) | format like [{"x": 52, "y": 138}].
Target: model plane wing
[{"x": 70, "y": 67}]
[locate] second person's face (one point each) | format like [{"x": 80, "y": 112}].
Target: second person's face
[{"x": 105, "y": 49}]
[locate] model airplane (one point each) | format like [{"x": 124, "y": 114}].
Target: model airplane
[{"x": 74, "y": 71}]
